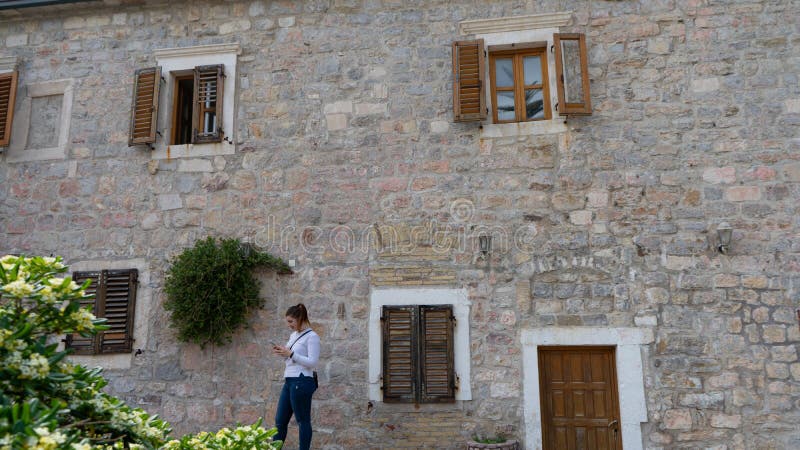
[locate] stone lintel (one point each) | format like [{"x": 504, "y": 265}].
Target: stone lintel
[
  {"x": 213, "y": 49},
  {"x": 517, "y": 23}
]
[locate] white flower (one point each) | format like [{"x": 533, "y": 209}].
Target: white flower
[
  {"x": 83, "y": 319},
  {"x": 18, "y": 288},
  {"x": 35, "y": 367}
]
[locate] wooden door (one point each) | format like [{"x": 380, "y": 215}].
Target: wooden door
[{"x": 580, "y": 406}]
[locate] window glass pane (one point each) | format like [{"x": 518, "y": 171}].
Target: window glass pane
[
  {"x": 209, "y": 122},
  {"x": 533, "y": 70},
  {"x": 504, "y": 72},
  {"x": 573, "y": 86},
  {"x": 534, "y": 104},
  {"x": 505, "y": 106}
]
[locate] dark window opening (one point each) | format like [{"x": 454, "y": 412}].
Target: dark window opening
[{"x": 184, "y": 95}]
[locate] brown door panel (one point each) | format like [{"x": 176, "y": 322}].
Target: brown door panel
[{"x": 580, "y": 406}]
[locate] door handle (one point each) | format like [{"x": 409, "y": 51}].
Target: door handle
[{"x": 615, "y": 424}]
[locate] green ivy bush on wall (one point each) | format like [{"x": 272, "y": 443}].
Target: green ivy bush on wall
[{"x": 211, "y": 289}]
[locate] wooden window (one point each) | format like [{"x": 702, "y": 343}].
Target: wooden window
[
  {"x": 579, "y": 398},
  {"x": 519, "y": 85},
  {"x": 144, "y": 109},
  {"x": 469, "y": 103},
  {"x": 196, "y": 105},
  {"x": 418, "y": 364},
  {"x": 572, "y": 74},
  {"x": 8, "y": 94},
  {"x": 114, "y": 299}
]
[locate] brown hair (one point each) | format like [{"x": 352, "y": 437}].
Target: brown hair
[{"x": 299, "y": 313}]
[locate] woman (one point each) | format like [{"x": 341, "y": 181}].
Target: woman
[{"x": 302, "y": 355}]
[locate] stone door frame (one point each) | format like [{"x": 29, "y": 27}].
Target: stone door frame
[{"x": 629, "y": 343}]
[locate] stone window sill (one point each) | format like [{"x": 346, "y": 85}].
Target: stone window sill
[
  {"x": 193, "y": 150},
  {"x": 537, "y": 128},
  {"x": 381, "y": 407}
]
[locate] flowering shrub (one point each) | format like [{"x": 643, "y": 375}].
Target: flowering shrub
[
  {"x": 47, "y": 403},
  {"x": 241, "y": 438}
]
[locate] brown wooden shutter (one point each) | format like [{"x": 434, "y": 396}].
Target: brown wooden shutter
[
  {"x": 8, "y": 95},
  {"x": 399, "y": 355},
  {"x": 209, "y": 84},
  {"x": 144, "y": 108},
  {"x": 436, "y": 354},
  {"x": 469, "y": 104},
  {"x": 572, "y": 74},
  {"x": 118, "y": 308},
  {"x": 85, "y": 345}
]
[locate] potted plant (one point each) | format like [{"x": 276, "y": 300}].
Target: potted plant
[{"x": 498, "y": 442}]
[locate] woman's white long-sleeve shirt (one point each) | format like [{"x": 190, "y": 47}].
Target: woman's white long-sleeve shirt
[{"x": 306, "y": 354}]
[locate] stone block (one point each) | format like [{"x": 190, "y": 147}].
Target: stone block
[
  {"x": 195, "y": 165},
  {"x": 17, "y": 40},
  {"x": 777, "y": 370},
  {"x": 791, "y": 172},
  {"x": 168, "y": 202},
  {"x": 678, "y": 419},
  {"x": 784, "y": 353},
  {"x": 342, "y": 107},
  {"x": 705, "y": 85},
  {"x": 774, "y": 334},
  {"x": 717, "y": 175},
  {"x": 743, "y": 193},
  {"x": 710, "y": 400},
  {"x": 439, "y": 126},
  {"x": 792, "y": 105},
  {"x": 370, "y": 108},
  {"x": 726, "y": 420},
  {"x": 336, "y": 122},
  {"x": 580, "y": 217},
  {"x": 723, "y": 380}
]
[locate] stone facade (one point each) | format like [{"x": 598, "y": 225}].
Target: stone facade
[{"x": 347, "y": 162}]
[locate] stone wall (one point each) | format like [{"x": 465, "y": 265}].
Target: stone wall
[{"x": 348, "y": 162}]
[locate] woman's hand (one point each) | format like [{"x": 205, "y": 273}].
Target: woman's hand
[{"x": 281, "y": 351}]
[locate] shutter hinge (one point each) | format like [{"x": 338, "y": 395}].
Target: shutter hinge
[
  {"x": 454, "y": 320},
  {"x": 552, "y": 48},
  {"x": 456, "y": 383}
]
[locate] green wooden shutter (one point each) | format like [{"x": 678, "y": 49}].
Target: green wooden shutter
[
  {"x": 82, "y": 345},
  {"x": 209, "y": 85},
  {"x": 436, "y": 354},
  {"x": 118, "y": 308},
  {"x": 399, "y": 354}
]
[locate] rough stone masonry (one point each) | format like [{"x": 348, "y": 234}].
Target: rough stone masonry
[{"x": 344, "y": 122}]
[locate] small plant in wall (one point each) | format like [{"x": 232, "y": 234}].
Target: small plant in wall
[
  {"x": 497, "y": 442},
  {"x": 211, "y": 289}
]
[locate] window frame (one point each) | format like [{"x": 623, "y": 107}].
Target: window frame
[
  {"x": 418, "y": 342},
  {"x": 186, "y": 59},
  {"x": 96, "y": 345},
  {"x": 462, "y": 350},
  {"x": 517, "y": 54},
  {"x": 176, "y": 78}
]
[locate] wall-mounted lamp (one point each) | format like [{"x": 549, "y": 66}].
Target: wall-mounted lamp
[
  {"x": 724, "y": 233},
  {"x": 485, "y": 244}
]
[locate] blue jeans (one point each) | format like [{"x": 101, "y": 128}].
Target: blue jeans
[{"x": 296, "y": 399}]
